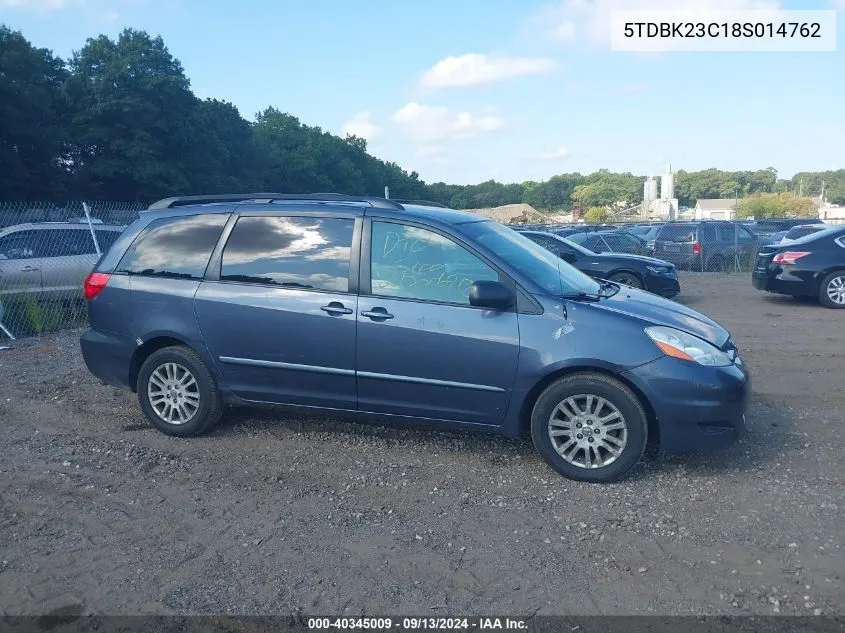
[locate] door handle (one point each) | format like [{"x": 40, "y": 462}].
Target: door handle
[
  {"x": 377, "y": 314},
  {"x": 335, "y": 307},
  {"x": 30, "y": 269}
]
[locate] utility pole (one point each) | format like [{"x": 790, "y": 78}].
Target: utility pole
[{"x": 387, "y": 192}]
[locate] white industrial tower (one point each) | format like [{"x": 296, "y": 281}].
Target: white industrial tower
[{"x": 666, "y": 206}]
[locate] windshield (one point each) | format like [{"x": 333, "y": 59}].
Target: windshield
[
  {"x": 801, "y": 231},
  {"x": 545, "y": 269}
]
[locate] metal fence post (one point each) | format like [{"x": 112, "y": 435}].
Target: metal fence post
[{"x": 87, "y": 210}]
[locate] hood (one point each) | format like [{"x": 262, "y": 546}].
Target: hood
[
  {"x": 626, "y": 257},
  {"x": 659, "y": 311}
]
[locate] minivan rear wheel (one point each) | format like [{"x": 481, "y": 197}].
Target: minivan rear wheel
[
  {"x": 589, "y": 427},
  {"x": 178, "y": 393}
]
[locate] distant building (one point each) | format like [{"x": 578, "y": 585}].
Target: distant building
[
  {"x": 715, "y": 209},
  {"x": 664, "y": 206}
]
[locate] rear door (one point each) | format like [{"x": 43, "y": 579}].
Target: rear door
[
  {"x": 68, "y": 257},
  {"x": 423, "y": 350},
  {"x": 277, "y": 310}
]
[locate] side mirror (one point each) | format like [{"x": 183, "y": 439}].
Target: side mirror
[
  {"x": 491, "y": 295},
  {"x": 568, "y": 257}
]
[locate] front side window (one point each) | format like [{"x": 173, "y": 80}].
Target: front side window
[
  {"x": 292, "y": 252},
  {"x": 177, "y": 247},
  {"x": 555, "y": 276},
  {"x": 413, "y": 263}
]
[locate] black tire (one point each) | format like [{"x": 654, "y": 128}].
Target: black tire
[
  {"x": 628, "y": 279},
  {"x": 826, "y": 287},
  {"x": 210, "y": 409},
  {"x": 612, "y": 391}
]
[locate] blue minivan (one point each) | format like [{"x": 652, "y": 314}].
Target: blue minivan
[{"x": 402, "y": 311}]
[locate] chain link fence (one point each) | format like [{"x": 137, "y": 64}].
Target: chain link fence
[
  {"x": 46, "y": 251},
  {"x": 721, "y": 246}
]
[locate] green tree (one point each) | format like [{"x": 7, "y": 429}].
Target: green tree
[
  {"x": 32, "y": 120},
  {"x": 133, "y": 107},
  {"x": 775, "y": 205},
  {"x": 596, "y": 215}
]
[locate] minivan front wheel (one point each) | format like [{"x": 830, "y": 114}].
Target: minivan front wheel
[
  {"x": 178, "y": 393},
  {"x": 589, "y": 427}
]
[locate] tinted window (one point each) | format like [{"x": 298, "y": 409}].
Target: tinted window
[
  {"x": 707, "y": 233},
  {"x": 293, "y": 252},
  {"x": 622, "y": 243},
  {"x": 67, "y": 242},
  {"x": 174, "y": 247},
  {"x": 744, "y": 235},
  {"x": 677, "y": 233},
  {"x": 416, "y": 263},
  {"x": 546, "y": 242},
  {"x": 20, "y": 245}
]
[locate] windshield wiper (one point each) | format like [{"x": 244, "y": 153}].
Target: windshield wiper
[{"x": 583, "y": 296}]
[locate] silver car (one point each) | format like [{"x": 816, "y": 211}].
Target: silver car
[{"x": 50, "y": 259}]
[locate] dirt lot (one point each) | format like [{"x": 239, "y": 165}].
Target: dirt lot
[{"x": 274, "y": 515}]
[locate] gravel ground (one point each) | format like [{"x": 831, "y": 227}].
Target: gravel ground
[{"x": 273, "y": 514}]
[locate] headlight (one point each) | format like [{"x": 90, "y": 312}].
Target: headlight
[
  {"x": 659, "y": 270},
  {"x": 678, "y": 344}
]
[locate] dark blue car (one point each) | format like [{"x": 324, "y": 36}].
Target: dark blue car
[{"x": 404, "y": 312}]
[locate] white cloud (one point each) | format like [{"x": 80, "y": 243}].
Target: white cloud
[
  {"x": 475, "y": 69},
  {"x": 429, "y": 125},
  {"x": 588, "y": 21},
  {"x": 556, "y": 153},
  {"x": 361, "y": 125}
]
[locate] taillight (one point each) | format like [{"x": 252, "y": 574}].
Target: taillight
[
  {"x": 696, "y": 248},
  {"x": 788, "y": 258},
  {"x": 94, "y": 284}
]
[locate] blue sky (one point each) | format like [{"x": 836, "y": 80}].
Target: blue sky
[{"x": 477, "y": 89}]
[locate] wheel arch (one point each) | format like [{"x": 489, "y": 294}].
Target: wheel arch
[
  {"x": 597, "y": 368},
  {"x": 143, "y": 351}
]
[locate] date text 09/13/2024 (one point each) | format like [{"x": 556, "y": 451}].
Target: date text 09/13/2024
[{"x": 416, "y": 623}]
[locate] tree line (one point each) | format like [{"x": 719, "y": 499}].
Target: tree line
[{"x": 118, "y": 121}]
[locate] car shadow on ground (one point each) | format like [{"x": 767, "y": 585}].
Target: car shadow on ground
[{"x": 770, "y": 433}]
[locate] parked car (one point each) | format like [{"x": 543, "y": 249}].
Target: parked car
[
  {"x": 50, "y": 259},
  {"x": 647, "y": 273},
  {"x": 611, "y": 242},
  {"x": 581, "y": 228},
  {"x": 811, "y": 266},
  {"x": 647, "y": 233},
  {"x": 403, "y": 312},
  {"x": 800, "y": 231},
  {"x": 708, "y": 245},
  {"x": 764, "y": 227}
]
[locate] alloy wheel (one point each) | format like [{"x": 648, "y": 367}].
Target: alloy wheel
[
  {"x": 836, "y": 290},
  {"x": 173, "y": 393},
  {"x": 588, "y": 431}
]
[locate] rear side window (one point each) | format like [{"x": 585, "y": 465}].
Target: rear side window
[
  {"x": 707, "y": 233},
  {"x": 677, "y": 233},
  {"x": 177, "y": 247},
  {"x": 293, "y": 252}
]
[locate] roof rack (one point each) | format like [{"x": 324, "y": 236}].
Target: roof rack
[
  {"x": 181, "y": 201},
  {"x": 422, "y": 203}
]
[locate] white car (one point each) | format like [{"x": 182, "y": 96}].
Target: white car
[{"x": 50, "y": 259}]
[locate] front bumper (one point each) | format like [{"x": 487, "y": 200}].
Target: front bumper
[
  {"x": 697, "y": 408},
  {"x": 664, "y": 285}
]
